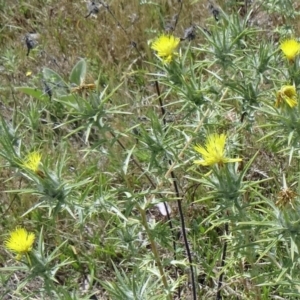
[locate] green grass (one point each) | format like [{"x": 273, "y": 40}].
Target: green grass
[{"x": 111, "y": 157}]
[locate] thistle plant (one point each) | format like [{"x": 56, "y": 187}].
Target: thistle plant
[
  {"x": 157, "y": 160},
  {"x": 213, "y": 152},
  {"x": 286, "y": 97},
  {"x": 165, "y": 47},
  {"x": 290, "y": 49},
  {"x": 33, "y": 260},
  {"x": 284, "y": 121},
  {"x": 32, "y": 162},
  {"x": 225, "y": 182},
  {"x": 20, "y": 242},
  {"x": 280, "y": 229}
]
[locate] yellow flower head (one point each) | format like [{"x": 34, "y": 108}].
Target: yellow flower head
[
  {"x": 214, "y": 151},
  {"x": 20, "y": 241},
  {"x": 286, "y": 95},
  {"x": 290, "y": 48},
  {"x": 32, "y": 161},
  {"x": 165, "y": 46}
]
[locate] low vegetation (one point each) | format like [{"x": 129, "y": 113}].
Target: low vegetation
[{"x": 149, "y": 149}]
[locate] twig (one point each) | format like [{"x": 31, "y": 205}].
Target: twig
[
  {"x": 220, "y": 281},
  {"x": 183, "y": 229},
  {"x": 178, "y": 15}
]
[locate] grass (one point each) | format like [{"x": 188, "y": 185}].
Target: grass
[{"x": 118, "y": 207}]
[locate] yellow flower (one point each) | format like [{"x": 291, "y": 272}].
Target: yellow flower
[
  {"x": 165, "y": 46},
  {"x": 20, "y": 241},
  {"x": 290, "y": 48},
  {"x": 214, "y": 151},
  {"x": 287, "y": 94},
  {"x": 32, "y": 161}
]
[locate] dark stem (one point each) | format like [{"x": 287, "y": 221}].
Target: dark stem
[
  {"x": 174, "y": 180},
  {"x": 16, "y": 196},
  {"x": 178, "y": 15},
  {"x": 220, "y": 281}
]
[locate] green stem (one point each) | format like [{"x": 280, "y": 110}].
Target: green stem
[{"x": 28, "y": 260}]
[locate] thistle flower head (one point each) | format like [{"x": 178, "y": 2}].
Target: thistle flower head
[
  {"x": 286, "y": 197},
  {"x": 213, "y": 152},
  {"x": 32, "y": 161},
  {"x": 290, "y": 48},
  {"x": 165, "y": 46},
  {"x": 286, "y": 95},
  {"x": 20, "y": 241}
]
